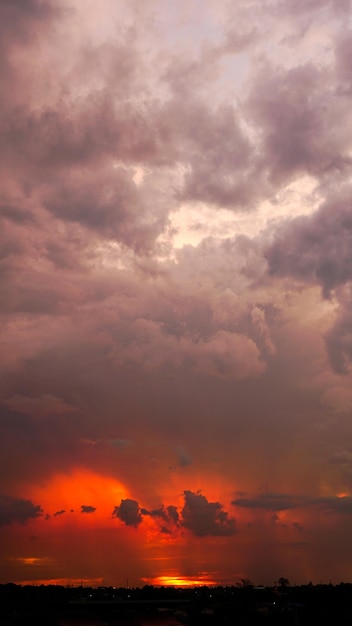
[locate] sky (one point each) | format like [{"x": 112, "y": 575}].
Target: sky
[{"x": 175, "y": 291}]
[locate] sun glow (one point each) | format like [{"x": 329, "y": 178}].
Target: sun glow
[
  {"x": 179, "y": 581},
  {"x": 81, "y": 493}
]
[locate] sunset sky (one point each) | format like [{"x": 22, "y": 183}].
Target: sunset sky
[{"x": 175, "y": 291}]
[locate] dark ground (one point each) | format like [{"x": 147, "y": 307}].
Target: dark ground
[{"x": 151, "y": 606}]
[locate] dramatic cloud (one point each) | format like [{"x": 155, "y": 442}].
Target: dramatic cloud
[
  {"x": 205, "y": 518},
  {"x": 317, "y": 248},
  {"x": 175, "y": 279},
  {"x": 128, "y": 512},
  {"x": 227, "y": 355},
  {"x": 271, "y": 502},
  {"x": 17, "y": 510},
  {"x": 198, "y": 515},
  {"x": 296, "y": 117},
  {"x": 168, "y": 517},
  {"x": 283, "y": 502}
]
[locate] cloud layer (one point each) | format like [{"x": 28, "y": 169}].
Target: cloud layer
[{"x": 175, "y": 269}]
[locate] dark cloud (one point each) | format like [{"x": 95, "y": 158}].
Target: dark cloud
[
  {"x": 87, "y": 508},
  {"x": 16, "y": 214},
  {"x": 283, "y": 502},
  {"x": 173, "y": 513},
  {"x": 168, "y": 515},
  {"x": 61, "y": 512},
  {"x": 23, "y": 25},
  {"x": 162, "y": 513},
  {"x": 333, "y": 504},
  {"x": 128, "y": 512},
  {"x": 217, "y": 153},
  {"x": 100, "y": 203},
  {"x": 205, "y": 518},
  {"x": 223, "y": 354},
  {"x": 109, "y": 203},
  {"x": 21, "y": 22},
  {"x": 296, "y": 116},
  {"x": 199, "y": 516},
  {"x": 316, "y": 248},
  {"x": 17, "y": 510},
  {"x": 79, "y": 133},
  {"x": 271, "y": 502}
]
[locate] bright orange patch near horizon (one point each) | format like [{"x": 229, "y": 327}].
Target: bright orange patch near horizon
[
  {"x": 64, "y": 494},
  {"x": 179, "y": 581}
]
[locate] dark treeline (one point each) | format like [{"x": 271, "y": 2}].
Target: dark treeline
[{"x": 245, "y": 603}]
